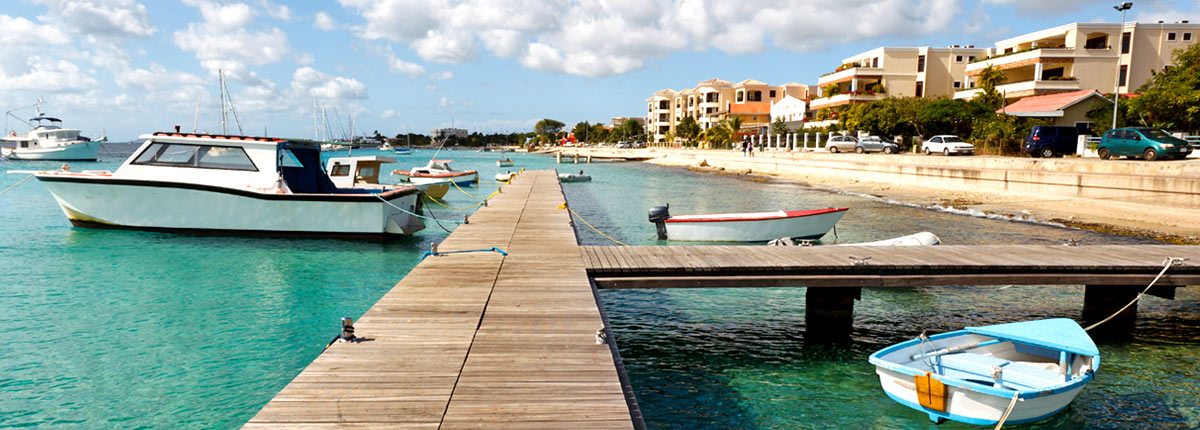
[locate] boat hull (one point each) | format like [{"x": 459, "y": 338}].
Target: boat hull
[
  {"x": 466, "y": 178},
  {"x": 82, "y": 151},
  {"x": 435, "y": 190},
  {"x": 504, "y": 163},
  {"x": 973, "y": 407},
  {"x": 753, "y": 230},
  {"x": 103, "y": 202}
]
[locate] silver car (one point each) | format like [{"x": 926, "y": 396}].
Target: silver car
[
  {"x": 841, "y": 143},
  {"x": 876, "y": 144}
]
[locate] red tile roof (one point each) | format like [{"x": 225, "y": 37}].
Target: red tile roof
[{"x": 1047, "y": 103}]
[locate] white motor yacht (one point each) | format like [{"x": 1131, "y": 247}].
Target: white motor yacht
[
  {"x": 239, "y": 185},
  {"x": 50, "y": 142}
]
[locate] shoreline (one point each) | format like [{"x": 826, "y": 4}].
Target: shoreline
[{"x": 1128, "y": 216}]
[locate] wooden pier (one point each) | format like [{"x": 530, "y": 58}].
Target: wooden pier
[{"x": 476, "y": 340}]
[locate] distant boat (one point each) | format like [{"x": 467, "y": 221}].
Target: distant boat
[
  {"x": 50, "y": 142},
  {"x": 438, "y": 170},
  {"x": 402, "y": 151},
  {"x": 363, "y": 172},
  {"x": 504, "y": 162},
  {"x": 976, "y": 375},
  {"x": 745, "y": 227}
]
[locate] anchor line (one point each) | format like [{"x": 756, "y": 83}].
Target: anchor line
[
  {"x": 1170, "y": 261},
  {"x": 567, "y": 207},
  {"x": 472, "y": 195},
  {"x": 435, "y": 220},
  {"x": 15, "y": 185}
]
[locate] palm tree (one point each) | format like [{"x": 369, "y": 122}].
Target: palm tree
[
  {"x": 989, "y": 78},
  {"x": 734, "y": 124}
]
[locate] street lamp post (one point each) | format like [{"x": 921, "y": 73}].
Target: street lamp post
[{"x": 1121, "y": 33}]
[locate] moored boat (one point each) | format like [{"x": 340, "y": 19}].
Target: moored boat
[
  {"x": 50, "y": 142},
  {"x": 402, "y": 151},
  {"x": 219, "y": 184},
  {"x": 505, "y": 162},
  {"x": 363, "y": 172},
  {"x": 506, "y": 176},
  {"x": 437, "y": 171},
  {"x": 573, "y": 177},
  {"x": 1016, "y": 373},
  {"x": 745, "y": 227}
]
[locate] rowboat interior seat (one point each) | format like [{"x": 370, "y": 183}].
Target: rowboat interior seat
[{"x": 1022, "y": 375}]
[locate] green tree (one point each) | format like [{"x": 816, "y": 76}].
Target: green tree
[
  {"x": 831, "y": 90},
  {"x": 734, "y": 128},
  {"x": 1171, "y": 99},
  {"x": 989, "y": 78},
  {"x": 1100, "y": 114},
  {"x": 581, "y": 131},
  {"x": 687, "y": 128},
  {"x": 546, "y": 129},
  {"x": 952, "y": 116},
  {"x": 779, "y": 126}
]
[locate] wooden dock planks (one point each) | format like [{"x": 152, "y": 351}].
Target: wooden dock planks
[
  {"x": 771, "y": 266},
  {"x": 475, "y": 339}
]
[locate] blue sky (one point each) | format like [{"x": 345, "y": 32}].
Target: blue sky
[{"x": 129, "y": 67}]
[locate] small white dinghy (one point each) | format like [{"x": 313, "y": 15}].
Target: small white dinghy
[
  {"x": 1017, "y": 372},
  {"x": 438, "y": 171},
  {"x": 918, "y": 239},
  {"x": 505, "y": 177},
  {"x": 572, "y": 177},
  {"x": 745, "y": 227},
  {"x": 504, "y": 162}
]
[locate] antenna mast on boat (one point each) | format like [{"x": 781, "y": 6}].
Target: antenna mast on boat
[
  {"x": 353, "y": 121},
  {"x": 221, "y": 89},
  {"x": 226, "y": 96},
  {"x": 37, "y": 107},
  {"x": 316, "y": 124}
]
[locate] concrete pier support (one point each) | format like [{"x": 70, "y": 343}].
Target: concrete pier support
[
  {"x": 1100, "y": 301},
  {"x": 829, "y": 313}
]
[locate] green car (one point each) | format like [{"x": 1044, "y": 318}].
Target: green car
[{"x": 1148, "y": 143}]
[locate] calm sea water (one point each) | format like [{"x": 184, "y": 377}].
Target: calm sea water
[{"x": 118, "y": 329}]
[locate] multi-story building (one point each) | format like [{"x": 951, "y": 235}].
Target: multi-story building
[
  {"x": 660, "y": 113},
  {"x": 896, "y": 72},
  {"x": 442, "y": 133},
  {"x": 716, "y": 100},
  {"x": 1082, "y": 56}
]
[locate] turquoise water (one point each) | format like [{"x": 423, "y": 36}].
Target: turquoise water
[{"x": 119, "y": 329}]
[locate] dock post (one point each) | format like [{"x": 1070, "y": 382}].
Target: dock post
[
  {"x": 558, "y": 157},
  {"x": 575, "y": 158},
  {"x": 829, "y": 313},
  {"x": 589, "y": 159},
  {"x": 1100, "y": 301}
]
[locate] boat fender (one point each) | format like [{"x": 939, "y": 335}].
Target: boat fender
[{"x": 658, "y": 215}]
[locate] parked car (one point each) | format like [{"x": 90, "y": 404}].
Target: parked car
[
  {"x": 638, "y": 144},
  {"x": 1047, "y": 141},
  {"x": 623, "y": 144},
  {"x": 1148, "y": 143},
  {"x": 947, "y": 144},
  {"x": 876, "y": 144},
  {"x": 841, "y": 143}
]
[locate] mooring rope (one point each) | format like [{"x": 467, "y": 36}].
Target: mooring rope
[
  {"x": 472, "y": 195},
  {"x": 435, "y": 220},
  {"x": 1011, "y": 405},
  {"x": 567, "y": 207},
  {"x": 437, "y": 253},
  {"x": 1170, "y": 261},
  {"x": 15, "y": 185},
  {"x": 439, "y": 202}
]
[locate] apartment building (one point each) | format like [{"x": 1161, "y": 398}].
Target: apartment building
[
  {"x": 442, "y": 133},
  {"x": 716, "y": 100},
  {"x": 896, "y": 72},
  {"x": 1082, "y": 56},
  {"x": 660, "y": 113}
]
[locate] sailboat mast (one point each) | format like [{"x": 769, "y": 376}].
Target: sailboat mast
[{"x": 221, "y": 83}]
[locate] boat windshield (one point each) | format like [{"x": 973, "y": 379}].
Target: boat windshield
[
  {"x": 199, "y": 156},
  {"x": 288, "y": 159}
]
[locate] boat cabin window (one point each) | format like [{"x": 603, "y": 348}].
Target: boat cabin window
[
  {"x": 201, "y": 156},
  {"x": 288, "y": 159},
  {"x": 340, "y": 169}
]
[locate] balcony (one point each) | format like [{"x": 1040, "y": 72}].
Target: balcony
[
  {"x": 1038, "y": 55},
  {"x": 851, "y": 73},
  {"x": 1024, "y": 89},
  {"x": 845, "y": 98}
]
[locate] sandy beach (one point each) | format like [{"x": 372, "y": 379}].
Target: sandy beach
[{"x": 1121, "y": 213}]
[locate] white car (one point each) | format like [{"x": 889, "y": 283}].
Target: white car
[
  {"x": 947, "y": 144},
  {"x": 841, "y": 143}
]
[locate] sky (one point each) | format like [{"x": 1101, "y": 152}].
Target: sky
[{"x": 122, "y": 68}]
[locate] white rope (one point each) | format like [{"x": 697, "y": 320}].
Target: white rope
[
  {"x": 1170, "y": 261},
  {"x": 1011, "y": 405},
  {"x": 15, "y": 185},
  {"x": 435, "y": 220}
]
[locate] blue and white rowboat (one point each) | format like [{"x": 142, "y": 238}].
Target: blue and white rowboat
[{"x": 973, "y": 375}]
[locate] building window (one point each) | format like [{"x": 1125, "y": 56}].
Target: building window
[
  {"x": 1125, "y": 42},
  {"x": 1008, "y": 50},
  {"x": 1121, "y": 78},
  {"x": 920, "y": 89},
  {"x": 875, "y": 62},
  {"x": 958, "y": 58},
  {"x": 1099, "y": 41},
  {"x": 1187, "y": 37},
  {"x": 957, "y": 84},
  {"x": 740, "y": 96},
  {"x": 971, "y": 58},
  {"x": 920, "y": 64},
  {"x": 772, "y": 93},
  {"x": 1171, "y": 37}
]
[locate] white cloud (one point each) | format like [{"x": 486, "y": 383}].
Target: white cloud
[
  {"x": 103, "y": 18},
  {"x": 619, "y": 36},
  {"x": 18, "y": 31},
  {"x": 322, "y": 21},
  {"x": 280, "y": 12},
  {"x": 389, "y": 113},
  {"x": 1040, "y": 7},
  {"x": 446, "y": 103},
  {"x": 48, "y": 74},
  {"x": 223, "y": 40},
  {"x": 402, "y": 67},
  {"x": 308, "y": 82},
  {"x": 154, "y": 78},
  {"x": 442, "y": 75}
]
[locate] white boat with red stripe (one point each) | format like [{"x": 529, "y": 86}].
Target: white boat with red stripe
[
  {"x": 438, "y": 171},
  {"x": 745, "y": 227}
]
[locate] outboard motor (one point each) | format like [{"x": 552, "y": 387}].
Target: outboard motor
[{"x": 658, "y": 216}]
